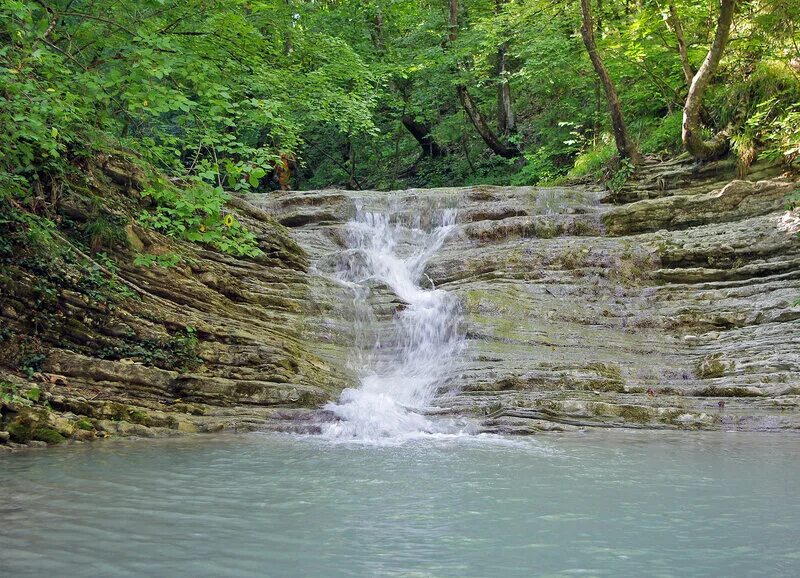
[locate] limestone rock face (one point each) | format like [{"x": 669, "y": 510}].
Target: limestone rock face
[
  {"x": 215, "y": 342},
  {"x": 670, "y": 307},
  {"x": 673, "y": 308}
]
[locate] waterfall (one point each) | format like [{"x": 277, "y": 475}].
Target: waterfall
[{"x": 402, "y": 370}]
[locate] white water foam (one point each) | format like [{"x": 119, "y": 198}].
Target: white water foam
[{"x": 400, "y": 373}]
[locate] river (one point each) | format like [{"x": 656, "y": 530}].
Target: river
[{"x": 597, "y": 504}]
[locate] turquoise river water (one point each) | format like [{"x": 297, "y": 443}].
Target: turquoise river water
[{"x": 595, "y": 504}]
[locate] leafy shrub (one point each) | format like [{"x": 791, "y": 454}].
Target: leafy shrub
[
  {"x": 666, "y": 136},
  {"x": 620, "y": 176},
  {"x": 198, "y": 214},
  {"x": 104, "y": 232},
  {"x": 778, "y": 129},
  {"x": 178, "y": 352},
  {"x": 593, "y": 161},
  {"x": 539, "y": 167}
]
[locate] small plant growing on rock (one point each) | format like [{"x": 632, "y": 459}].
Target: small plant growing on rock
[
  {"x": 710, "y": 367},
  {"x": 198, "y": 214},
  {"x": 621, "y": 175}
]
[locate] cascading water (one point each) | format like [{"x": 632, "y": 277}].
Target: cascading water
[{"x": 402, "y": 371}]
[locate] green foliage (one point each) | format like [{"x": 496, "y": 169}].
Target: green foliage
[
  {"x": 539, "y": 167},
  {"x": 10, "y": 394},
  {"x": 765, "y": 109},
  {"x": 621, "y": 175},
  {"x": 794, "y": 200},
  {"x": 31, "y": 364},
  {"x": 593, "y": 162},
  {"x": 178, "y": 352},
  {"x": 224, "y": 92},
  {"x": 84, "y": 424},
  {"x": 24, "y": 229},
  {"x": 777, "y": 127},
  {"x": 103, "y": 232},
  {"x": 216, "y": 90},
  {"x": 198, "y": 214},
  {"x": 665, "y": 136},
  {"x": 166, "y": 260}
]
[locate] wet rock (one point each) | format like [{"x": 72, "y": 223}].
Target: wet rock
[{"x": 580, "y": 313}]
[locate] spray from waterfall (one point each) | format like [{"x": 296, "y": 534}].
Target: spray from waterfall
[{"x": 404, "y": 368}]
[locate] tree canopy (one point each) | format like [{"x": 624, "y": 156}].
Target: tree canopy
[{"x": 253, "y": 94}]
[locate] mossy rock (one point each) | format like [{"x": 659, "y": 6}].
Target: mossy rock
[
  {"x": 48, "y": 435},
  {"x": 21, "y": 433},
  {"x": 84, "y": 424},
  {"x": 121, "y": 412},
  {"x": 715, "y": 391},
  {"x": 635, "y": 413},
  {"x": 711, "y": 366},
  {"x": 610, "y": 371}
]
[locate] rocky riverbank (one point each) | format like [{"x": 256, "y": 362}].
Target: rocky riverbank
[
  {"x": 666, "y": 305},
  {"x": 94, "y": 345}
]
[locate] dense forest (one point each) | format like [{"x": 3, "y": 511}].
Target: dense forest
[{"x": 241, "y": 95}]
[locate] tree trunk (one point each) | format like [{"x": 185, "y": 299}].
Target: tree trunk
[
  {"x": 625, "y": 146},
  {"x": 675, "y": 23},
  {"x": 496, "y": 145},
  {"x": 376, "y": 32},
  {"x": 352, "y": 182},
  {"x": 506, "y": 123},
  {"x": 505, "y": 116},
  {"x": 452, "y": 23},
  {"x": 422, "y": 133},
  {"x": 692, "y": 137},
  {"x": 508, "y": 151}
]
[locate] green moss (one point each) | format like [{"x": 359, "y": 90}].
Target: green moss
[
  {"x": 509, "y": 384},
  {"x": 551, "y": 406},
  {"x": 84, "y": 424},
  {"x": 311, "y": 399},
  {"x": 21, "y": 433},
  {"x": 715, "y": 391},
  {"x": 635, "y": 413},
  {"x": 493, "y": 408},
  {"x": 608, "y": 370},
  {"x": 545, "y": 230},
  {"x": 48, "y": 435},
  {"x": 671, "y": 416},
  {"x": 581, "y": 228},
  {"x": 573, "y": 259},
  {"x": 247, "y": 389},
  {"x": 710, "y": 367},
  {"x": 603, "y": 385},
  {"x": 138, "y": 417}
]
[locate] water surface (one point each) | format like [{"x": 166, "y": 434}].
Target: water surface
[{"x": 597, "y": 504}]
